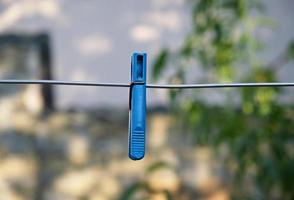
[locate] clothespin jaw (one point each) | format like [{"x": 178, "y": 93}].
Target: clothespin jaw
[{"x": 137, "y": 101}]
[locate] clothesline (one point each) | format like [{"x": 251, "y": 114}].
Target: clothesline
[{"x": 153, "y": 86}]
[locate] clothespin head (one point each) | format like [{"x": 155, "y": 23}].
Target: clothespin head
[{"x": 137, "y": 114}]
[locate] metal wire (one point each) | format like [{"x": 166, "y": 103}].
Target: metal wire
[
  {"x": 54, "y": 82},
  {"x": 220, "y": 85},
  {"x": 153, "y": 86}
]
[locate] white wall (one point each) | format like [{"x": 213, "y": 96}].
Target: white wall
[{"x": 94, "y": 39}]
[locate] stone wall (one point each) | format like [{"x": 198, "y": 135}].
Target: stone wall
[{"x": 83, "y": 155}]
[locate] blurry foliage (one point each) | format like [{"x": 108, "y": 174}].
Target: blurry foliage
[
  {"x": 160, "y": 64},
  {"x": 143, "y": 189},
  {"x": 258, "y": 131},
  {"x": 291, "y": 50}
]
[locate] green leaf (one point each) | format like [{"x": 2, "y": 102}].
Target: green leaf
[
  {"x": 159, "y": 165},
  {"x": 160, "y": 64},
  {"x": 291, "y": 50},
  {"x": 132, "y": 190}
]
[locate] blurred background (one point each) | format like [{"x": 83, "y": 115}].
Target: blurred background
[{"x": 70, "y": 143}]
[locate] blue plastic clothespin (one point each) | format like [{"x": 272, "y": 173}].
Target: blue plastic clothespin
[{"x": 137, "y": 101}]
